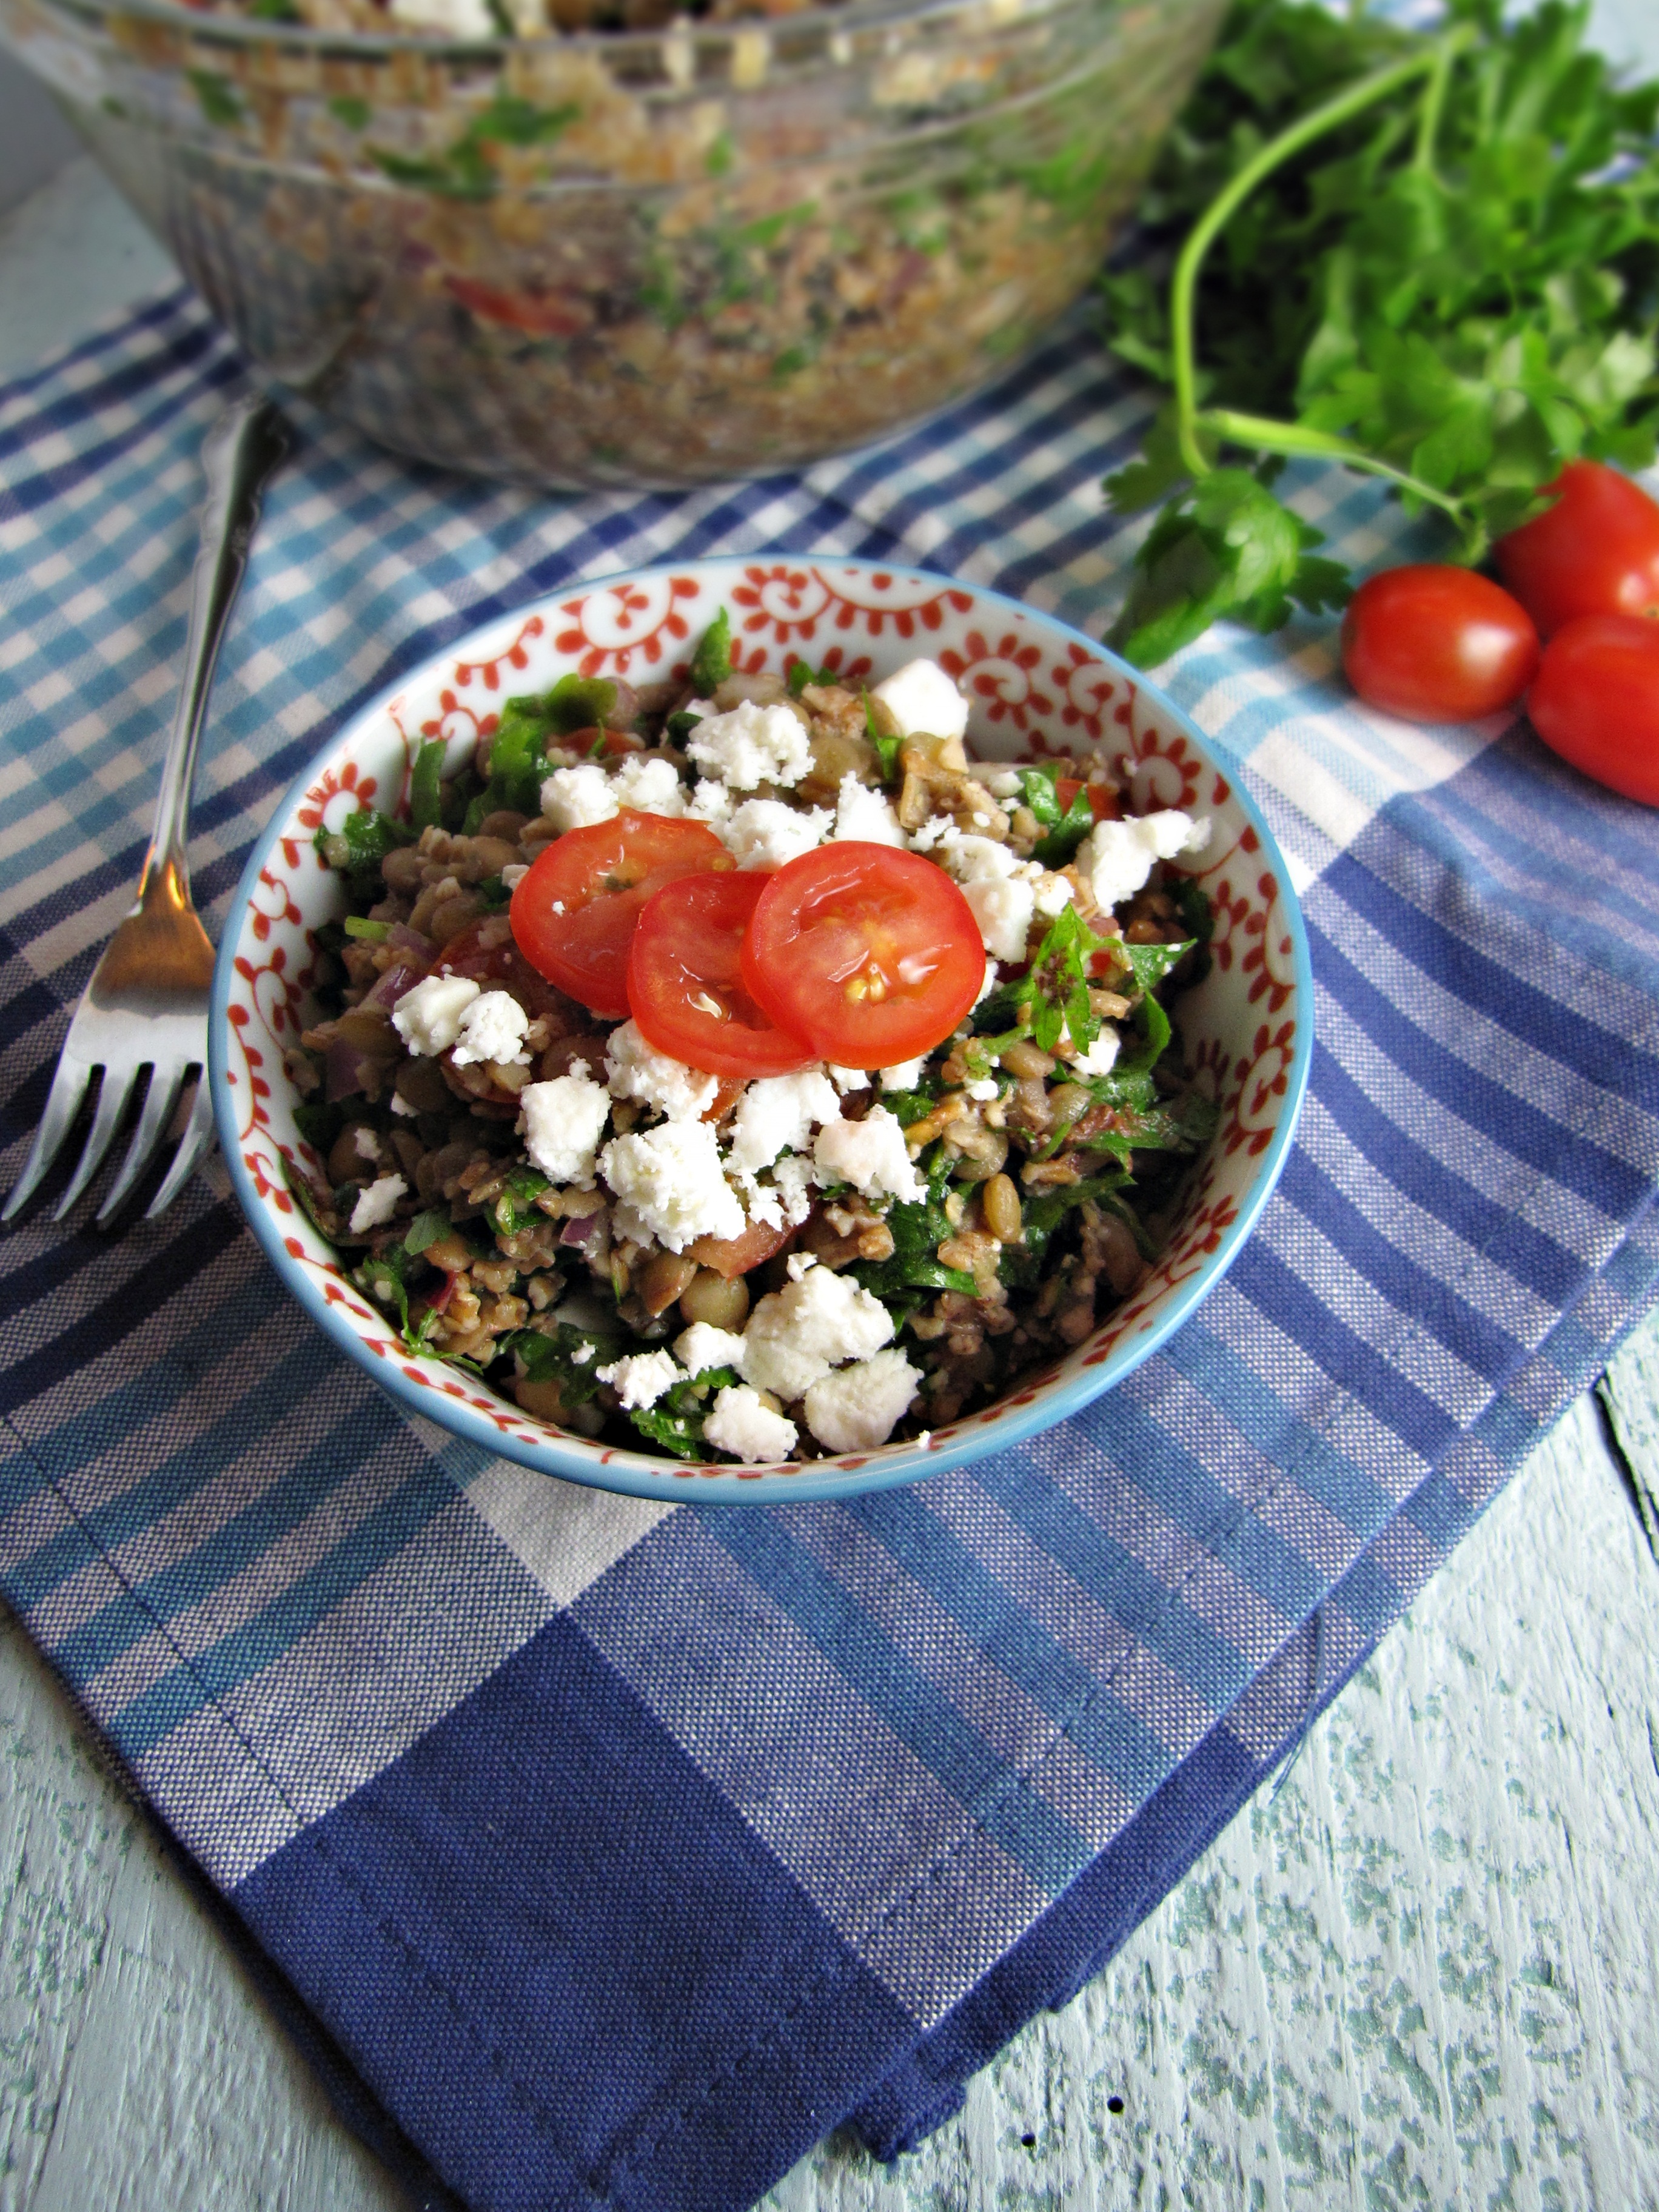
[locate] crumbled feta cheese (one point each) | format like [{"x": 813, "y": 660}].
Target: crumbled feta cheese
[
  {"x": 457, "y": 18},
  {"x": 797, "y": 1263},
  {"x": 992, "y": 971},
  {"x": 637, "y": 1070},
  {"x": 864, "y": 816},
  {"x": 1117, "y": 857},
  {"x": 1052, "y": 894},
  {"x": 741, "y": 1424},
  {"x": 669, "y": 1177},
  {"x": 849, "y": 1079},
  {"x": 702, "y": 1346},
  {"x": 562, "y": 1123},
  {"x": 923, "y": 701},
  {"x": 641, "y": 1378},
  {"x": 377, "y": 1204},
  {"x": 574, "y": 798},
  {"x": 365, "y": 1143},
  {"x": 401, "y": 1106},
  {"x": 493, "y": 1029},
  {"x": 935, "y": 827},
  {"x": 710, "y": 803},
  {"x": 983, "y": 1091},
  {"x": 649, "y": 784},
  {"x": 764, "y": 833},
  {"x": 1102, "y": 1056},
  {"x": 998, "y": 887},
  {"x": 857, "y": 1408},
  {"x": 428, "y": 1017},
  {"x": 513, "y": 874},
  {"x": 776, "y": 1113},
  {"x": 903, "y": 1074},
  {"x": 1003, "y": 783},
  {"x": 581, "y": 1355},
  {"x": 799, "y": 1333},
  {"x": 869, "y": 1154},
  {"x": 752, "y": 744}
]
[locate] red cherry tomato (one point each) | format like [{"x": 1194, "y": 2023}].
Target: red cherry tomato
[
  {"x": 1103, "y": 800},
  {"x": 1596, "y": 701},
  {"x": 1595, "y": 552},
  {"x": 685, "y": 987},
  {"x": 1435, "y": 644},
  {"x": 573, "y": 914},
  {"x": 869, "y": 955}
]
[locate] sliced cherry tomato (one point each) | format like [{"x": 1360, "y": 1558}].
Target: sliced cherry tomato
[
  {"x": 542, "y": 314},
  {"x": 1435, "y": 644},
  {"x": 685, "y": 987},
  {"x": 1596, "y": 701},
  {"x": 573, "y": 914},
  {"x": 1103, "y": 800},
  {"x": 1595, "y": 552},
  {"x": 870, "y": 956}
]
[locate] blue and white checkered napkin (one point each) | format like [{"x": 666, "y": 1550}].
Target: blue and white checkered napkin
[{"x": 621, "y": 1850}]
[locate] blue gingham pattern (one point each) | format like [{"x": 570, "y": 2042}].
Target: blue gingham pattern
[{"x": 622, "y": 1850}]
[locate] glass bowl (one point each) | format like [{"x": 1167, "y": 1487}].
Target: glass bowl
[{"x": 643, "y": 257}]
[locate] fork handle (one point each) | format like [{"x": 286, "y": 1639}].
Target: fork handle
[{"x": 238, "y": 456}]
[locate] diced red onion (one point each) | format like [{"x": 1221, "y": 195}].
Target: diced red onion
[
  {"x": 581, "y": 1229},
  {"x": 391, "y": 986},
  {"x": 343, "y": 1070},
  {"x": 409, "y": 942}
]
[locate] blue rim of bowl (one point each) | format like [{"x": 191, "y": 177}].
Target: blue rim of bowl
[{"x": 910, "y": 1463}]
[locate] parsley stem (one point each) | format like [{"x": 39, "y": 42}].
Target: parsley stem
[
  {"x": 1184, "y": 283},
  {"x": 1270, "y": 437}
]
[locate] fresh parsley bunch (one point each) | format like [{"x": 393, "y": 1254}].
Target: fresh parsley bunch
[{"x": 1434, "y": 258}]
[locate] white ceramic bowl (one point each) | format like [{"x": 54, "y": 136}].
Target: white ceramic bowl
[{"x": 1038, "y": 688}]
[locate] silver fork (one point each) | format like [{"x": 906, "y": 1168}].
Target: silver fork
[{"x": 146, "y": 1003}]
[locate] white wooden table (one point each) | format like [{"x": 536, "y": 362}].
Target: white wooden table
[{"x": 1426, "y": 1974}]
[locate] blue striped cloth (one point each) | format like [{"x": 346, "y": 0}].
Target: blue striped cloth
[{"x": 615, "y": 1852}]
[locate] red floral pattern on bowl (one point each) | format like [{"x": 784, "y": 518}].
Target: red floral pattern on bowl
[{"x": 1036, "y": 687}]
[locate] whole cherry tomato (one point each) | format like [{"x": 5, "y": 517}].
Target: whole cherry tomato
[
  {"x": 573, "y": 914},
  {"x": 685, "y": 985},
  {"x": 1435, "y": 644},
  {"x": 1596, "y": 701},
  {"x": 1595, "y": 552},
  {"x": 868, "y": 954}
]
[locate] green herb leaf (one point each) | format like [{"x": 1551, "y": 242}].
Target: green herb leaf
[
  {"x": 565, "y": 1355},
  {"x": 918, "y": 1228},
  {"x": 676, "y": 1420},
  {"x": 711, "y": 664},
  {"x": 1041, "y": 1218},
  {"x": 367, "y": 932},
  {"x": 516, "y": 1206},
  {"x": 887, "y": 748},
  {"x": 1226, "y": 547},
  {"x": 1053, "y": 995},
  {"x": 1065, "y": 828},
  {"x": 424, "y": 804},
  {"x": 320, "y": 1124},
  {"x": 426, "y": 1229},
  {"x": 216, "y": 98}
]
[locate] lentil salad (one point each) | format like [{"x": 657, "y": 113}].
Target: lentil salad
[{"x": 805, "y": 1262}]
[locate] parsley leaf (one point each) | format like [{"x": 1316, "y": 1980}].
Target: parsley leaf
[
  {"x": 1225, "y": 546},
  {"x": 711, "y": 664},
  {"x": 676, "y": 1420},
  {"x": 1065, "y": 827},
  {"x": 1053, "y": 994},
  {"x": 919, "y": 1227},
  {"x": 565, "y": 1355}
]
